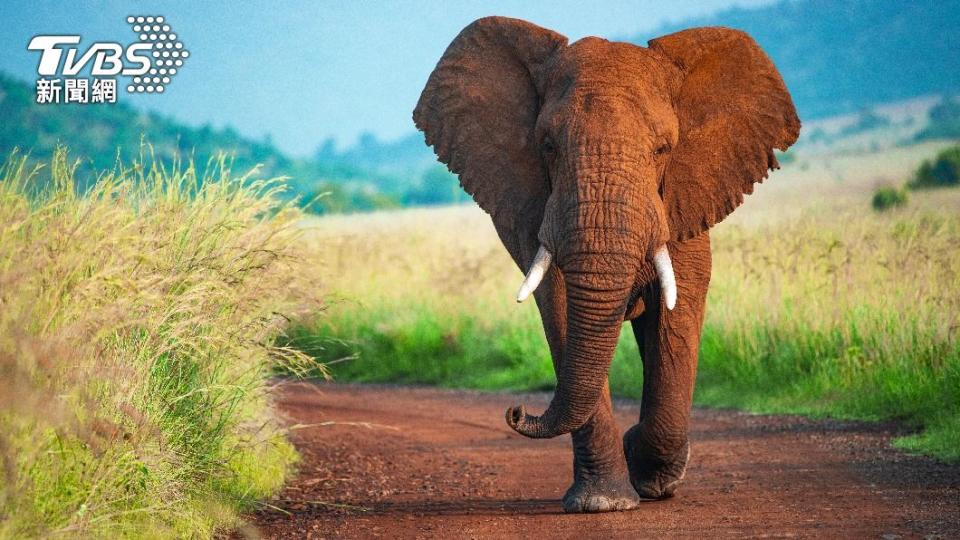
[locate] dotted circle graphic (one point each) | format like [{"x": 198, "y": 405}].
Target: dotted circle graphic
[{"x": 167, "y": 51}]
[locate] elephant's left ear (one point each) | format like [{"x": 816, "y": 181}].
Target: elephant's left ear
[{"x": 734, "y": 110}]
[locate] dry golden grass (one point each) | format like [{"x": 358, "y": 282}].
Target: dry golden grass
[
  {"x": 453, "y": 253},
  {"x": 136, "y": 323}
]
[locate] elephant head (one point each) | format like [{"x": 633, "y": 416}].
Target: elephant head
[{"x": 597, "y": 154}]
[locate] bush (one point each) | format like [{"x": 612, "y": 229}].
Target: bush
[
  {"x": 136, "y": 321},
  {"x": 943, "y": 171},
  {"x": 886, "y": 198}
]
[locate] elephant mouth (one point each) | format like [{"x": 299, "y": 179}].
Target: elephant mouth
[{"x": 661, "y": 262}]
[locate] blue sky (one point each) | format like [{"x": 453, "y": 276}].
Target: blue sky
[{"x": 302, "y": 71}]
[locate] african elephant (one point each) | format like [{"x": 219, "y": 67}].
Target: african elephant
[{"x": 603, "y": 166}]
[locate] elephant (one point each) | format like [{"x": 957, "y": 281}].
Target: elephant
[{"x": 603, "y": 166}]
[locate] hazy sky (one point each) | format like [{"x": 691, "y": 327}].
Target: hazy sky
[{"x": 303, "y": 71}]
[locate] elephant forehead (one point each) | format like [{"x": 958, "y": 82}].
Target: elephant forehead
[
  {"x": 612, "y": 83},
  {"x": 596, "y": 59},
  {"x": 613, "y": 116}
]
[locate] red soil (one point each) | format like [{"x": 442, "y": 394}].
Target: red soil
[{"x": 423, "y": 463}]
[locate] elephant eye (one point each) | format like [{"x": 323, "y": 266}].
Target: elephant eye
[{"x": 662, "y": 149}]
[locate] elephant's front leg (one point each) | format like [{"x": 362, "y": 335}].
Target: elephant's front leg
[
  {"x": 657, "y": 448},
  {"x": 601, "y": 482}
]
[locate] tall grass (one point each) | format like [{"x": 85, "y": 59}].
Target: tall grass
[
  {"x": 851, "y": 315},
  {"x": 838, "y": 312},
  {"x": 136, "y": 322}
]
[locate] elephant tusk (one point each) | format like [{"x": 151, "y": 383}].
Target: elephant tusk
[
  {"x": 541, "y": 262},
  {"x": 668, "y": 282}
]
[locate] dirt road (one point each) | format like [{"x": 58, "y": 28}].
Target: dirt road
[{"x": 425, "y": 463}]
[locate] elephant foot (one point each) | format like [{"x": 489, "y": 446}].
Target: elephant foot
[
  {"x": 601, "y": 494},
  {"x": 653, "y": 475}
]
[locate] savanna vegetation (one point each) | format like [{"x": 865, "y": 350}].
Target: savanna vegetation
[
  {"x": 942, "y": 171},
  {"x": 889, "y": 197},
  {"x": 137, "y": 320},
  {"x": 818, "y": 305}
]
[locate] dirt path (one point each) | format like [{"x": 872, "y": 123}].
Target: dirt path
[{"x": 440, "y": 463}]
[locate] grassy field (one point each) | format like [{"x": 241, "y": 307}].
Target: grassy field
[
  {"x": 818, "y": 305},
  {"x": 136, "y": 323},
  {"x": 140, "y": 323}
]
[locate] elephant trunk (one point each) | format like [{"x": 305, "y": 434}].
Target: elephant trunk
[
  {"x": 599, "y": 241},
  {"x": 598, "y": 288}
]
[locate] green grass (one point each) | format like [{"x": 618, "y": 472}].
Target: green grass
[
  {"x": 136, "y": 322},
  {"x": 843, "y": 314},
  {"x": 826, "y": 374},
  {"x": 888, "y": 197},
  {"x": 415, "y": 344},
  {"x": 760, "y": 369}
]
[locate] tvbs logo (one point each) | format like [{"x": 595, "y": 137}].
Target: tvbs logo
[{"x": 150, "y": 63}]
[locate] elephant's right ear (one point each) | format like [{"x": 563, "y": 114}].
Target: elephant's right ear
[{"x": 479, "y": 108}]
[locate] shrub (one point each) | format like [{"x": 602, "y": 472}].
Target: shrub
[
  {"x": 136, "y": 321},
  {"x": 943, "y": 171},
  {"x": 886, "y": 198}
]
